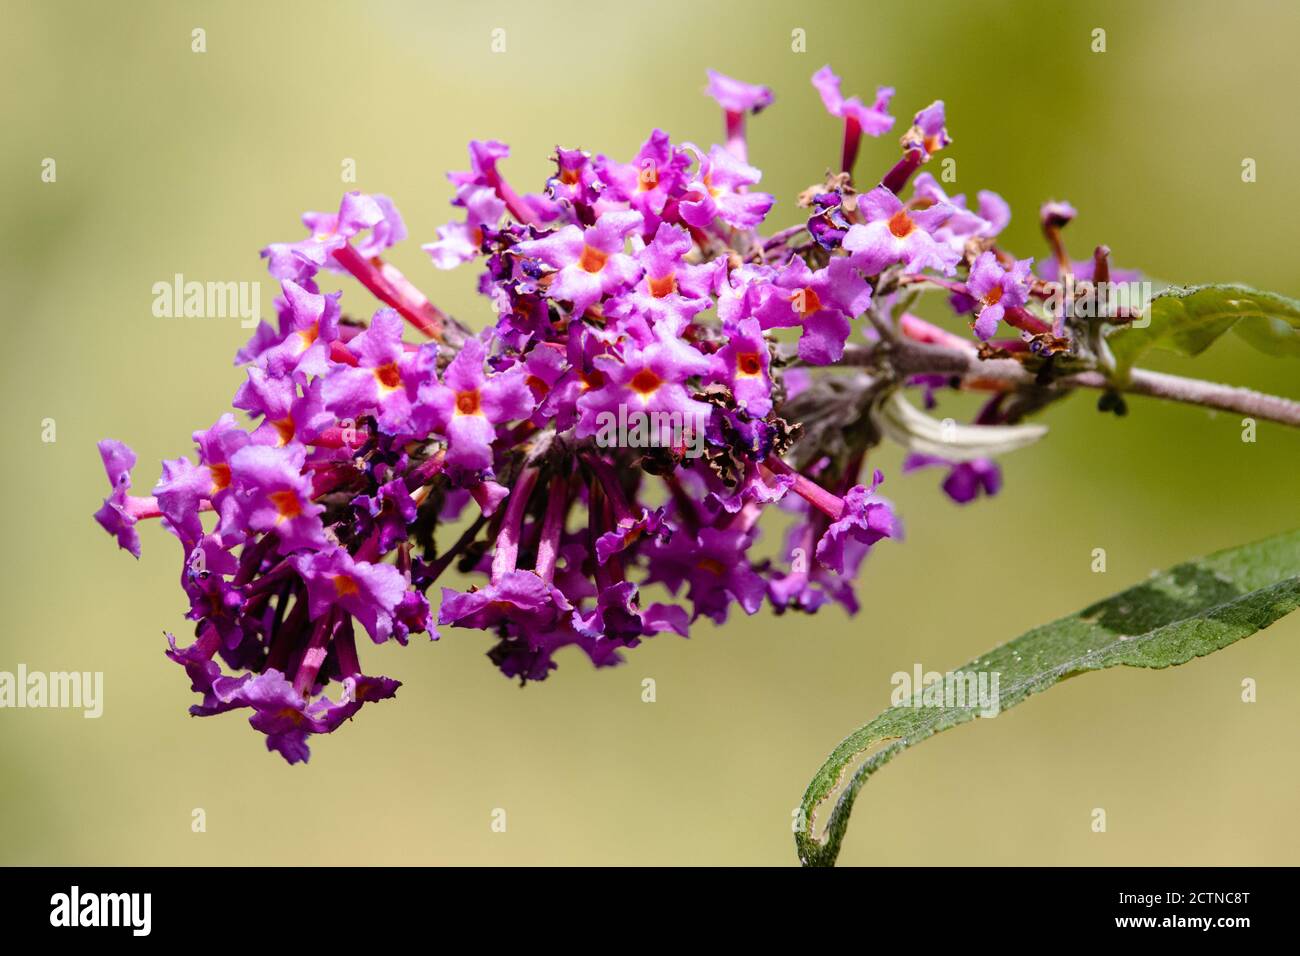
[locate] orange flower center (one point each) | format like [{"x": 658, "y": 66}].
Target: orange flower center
[
  {"x": 712, "y": 565},
  {"x": 993, "y": 296},
  {"x": 807, "y": 302},
  {"x": 645, "y": 383},
  {"x": 344, "y": 586},
  {"x": 284, "y": 427},
  {"x": 748, "y": 363},
  {"x": 220, "y": 476},
  {"x": 592, "y": 260},
  {"x": 309, "y": 335},
  {"x": 467, "y": 403},
  {"x": 388, "y": 376},
  {"x": 900, "y": 224},
  {"x": 569, "y": 176},
  {"x": 593, "y": 379},
  {"x": 661, "y": 287},
  {"x": 286, "y": 503}
]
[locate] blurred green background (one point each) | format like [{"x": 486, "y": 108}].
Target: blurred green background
[{"x": 171, "y": 161}]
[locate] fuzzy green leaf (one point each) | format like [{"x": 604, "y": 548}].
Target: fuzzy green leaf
[
  {"x": 1189, "y": 611},
  {"x": 1188, "y": 319}
]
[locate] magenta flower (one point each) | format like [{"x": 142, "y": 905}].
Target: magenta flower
[
  {"x": 928, "y": 132},
  {"x": 646, "y": 380},
  {"x": 630, "y": 411},
  {"x": 669, "y": 291},
  {"x": 985, "y": 222},
  {"x": 894, "y": 233},
  {"x": 372, "y": 217},
  {"x": 274, "y": 495},
  {"x": 821, "y": 303},
  {"x": 714, "y": 569},
  {"x": 744, "y": 364},
  {"x": 655, "y": 174},
  {"x": 386, "y": 379},
  {"x": 369, "y": 592},
  {"x": 858, "y": 118},
  {"x": 468, "y": 405},
  {"x": 995, "y": 289},
  {"x": 119, "y": 512},
  {"x": 719, "y": 191},
  {"x": 736, "y": 99},
  {"x": 864, "y": 518},
  {"x": 519, "y": 598},
  {"x": 590, "y": 263},
  {"x": 737, "y": 96},
  {"x": 965, "y": 480},
  {"x": 459, "y": 242},
  {"x": 308, "y": 325}
]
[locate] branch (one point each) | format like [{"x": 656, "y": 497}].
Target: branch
[{"x": 912, "y": 358}]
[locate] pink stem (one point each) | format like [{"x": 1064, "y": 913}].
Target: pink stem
[
  {"x": 518, "y": 208},
  {"x": 314, "y": 654},
  {"x": 852, "y": 140},
  {"x": 345, "y": 649},
  {"x": 736, "y": 144},
  {"x": 897, "y": 177},
  {"x": 830, "y": 505},
  {"x": 548, "y": 544},
  {"x": 393, "y": 289},
  {"x": 506, "y": 556}
]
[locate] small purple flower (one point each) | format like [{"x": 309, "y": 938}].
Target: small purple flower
[
  {"x": 287, "y": 416},
  {"x": 719, "y": 191},
  {"x": 965, "y": 479},
  {"x": 589, "y": 263},
  {"x": 928, "y": 132},
  {"x": 118, "y": 515},
  {"x": 468, "y": 405},
  {"x": 714, "y": 567},
  {"x": 460, "y": 242},
  {"x": 519, "y": 598},
  {"x": 744, "y": 363},
  {"x": 358, "y": 214},
  {"x": 308, "y": 324},
  {"x": 274, "y": 495},
  {"x": 576, "y": 181},
  {"x": 995, "y": 289},
  {"x": 988, "y": 221},
  {"x": 893, "y": 233},
  {"x": 646, "y": 380},
  {"x": 873, "y": 120},
  {"x": 646, "y": 183},
  {"x": 386, "y": 380},
  {"x": 865, "y": 518},
  {"x": 369, "y": 592},
  {"x": 669, "y": 291},
  {"x": 736, "y": 99},
  {"x": 821, "y": 303},
  {"x": 737, "y": 96}
]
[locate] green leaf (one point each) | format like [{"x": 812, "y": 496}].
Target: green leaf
[
  {"x": 1188, "y": 611},
  {"x": 1188, "y": 319},
  {"x": 1271, "y": 336}
]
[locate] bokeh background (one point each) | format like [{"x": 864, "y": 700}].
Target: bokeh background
[{"x": 171, "y": 161}]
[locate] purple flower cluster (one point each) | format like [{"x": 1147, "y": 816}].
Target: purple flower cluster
[{"x": 640, "y": 291}]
